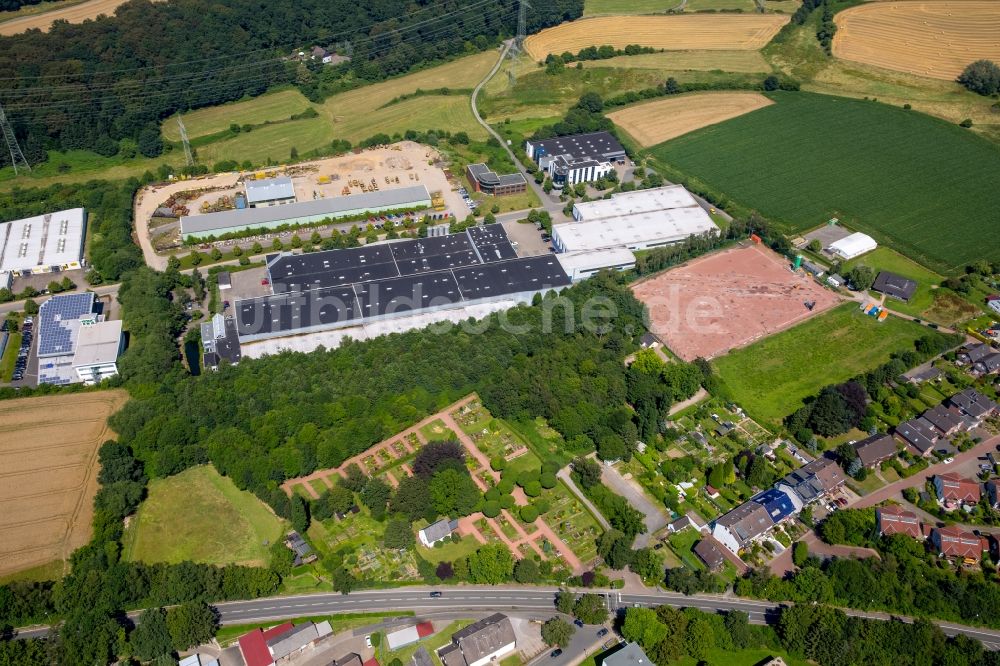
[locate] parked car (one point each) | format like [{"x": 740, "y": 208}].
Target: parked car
[
  {"x": 556, "y": 653},
  {"x": 368, "y": 641},
  {"x": 949, "y": 460},
  {"x": 602, "y": 633},
  {"x": 578, "y": 622},
  {"x": 436, "y": 594}
]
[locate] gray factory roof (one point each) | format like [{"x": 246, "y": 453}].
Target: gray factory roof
[
  {"x": 400, "y": 197},
  {"x": 271, "y": 189},
  {"x": 595, "y": 145}
]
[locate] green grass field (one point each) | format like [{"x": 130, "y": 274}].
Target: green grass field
[
  {"x": 598, "y": 7},
  {"x": 278, "y": 105},
  {"x": 200, "y": 515},
  {"x": 719, "y": 5},
  {"x": 770, "y": 378},
  {"x": 885, "y": 259},
  {"x": 812, "y": 157},
  {"x": 9, "y": 357},
  {"x": 676, "y": 62}
]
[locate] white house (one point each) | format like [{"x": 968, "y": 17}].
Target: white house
[{"x": 438, "y": 531}]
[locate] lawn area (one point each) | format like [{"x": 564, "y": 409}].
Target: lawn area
[
  {"x": 682, "y": 543},
  {"x": 597, "y": 7},
  {"x": 772, "y": 377},
  {"x": 866, "y": 167},
  {"x": 679, "y": 61},
  {"x": 10, "y": 357},
  {"x": 929, "y": 302},
  {"x": 437, "y": 430},
  {"x": 277, "y": 105},
  {"x": 449, "y": 552},
  {"x": 719, "y": 5},
  {"x": 200, "y": 515}
]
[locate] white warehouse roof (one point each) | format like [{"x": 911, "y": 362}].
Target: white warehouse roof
[
  {"x": 39, "y": 243},
  {"x": 579, "y": 265},
  {"x": 98, "y": 344},
  {"x": 271, "y": 189},
  {"x": 635, "y": 232},
  {"x": 854, "y": 245},
  {"x": 638, "y": 201}
]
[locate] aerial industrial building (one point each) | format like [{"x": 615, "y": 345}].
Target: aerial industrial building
[
  {"x": 580, "y": 158},
  {"x": 322, "y": 291},
  {"x": 582, "y": 265},
  {"x": 75, "y": 343},
  {"x": 42, "y": 244},
  {"x": 636, "y": 220},
  {"x": 853, "y": 246},
  {"x": 485, "y": 180},
  {"x": 269, "y": 192},
  {"x": 304, "y": 212}
]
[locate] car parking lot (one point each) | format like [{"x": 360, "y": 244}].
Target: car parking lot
[{"x": 21, "y": 365}]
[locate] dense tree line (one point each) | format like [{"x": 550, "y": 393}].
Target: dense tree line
[
  {"x": 982, "y": 77},
  {"x": 906, "y": 579},
  {"x": 105, "y": 85},
  {"x": 13, "y": 5}
]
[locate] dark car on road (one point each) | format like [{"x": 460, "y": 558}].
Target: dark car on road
[
  {"x": 578, "y": 623},
  {"x": 435, "y": 594},
  {"x": 556, "y": 653},
  {"x": 602, "y": 633}
]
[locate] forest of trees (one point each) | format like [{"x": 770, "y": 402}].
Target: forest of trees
[{"x": 106, "y": 85}]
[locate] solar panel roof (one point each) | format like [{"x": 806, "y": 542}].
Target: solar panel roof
[{"x": 58, "y": 320}]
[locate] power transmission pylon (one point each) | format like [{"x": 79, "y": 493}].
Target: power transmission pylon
[
  {"x": 187, "y": 144},
  {"x": 518, "y": 46},
  {"x": 16, "y": 156}
]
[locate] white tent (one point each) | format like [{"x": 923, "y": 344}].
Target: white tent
[{"x": 853, "y": 246}]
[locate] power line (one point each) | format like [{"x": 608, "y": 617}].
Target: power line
[
  {"x": 16, "y": 156},
  {"x": 187, "y": 144},
  {"x": 476, "y": 4}
]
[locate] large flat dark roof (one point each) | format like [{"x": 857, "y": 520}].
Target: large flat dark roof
[
  {"x": 319, "y": 270},
  {"x": 289, "y": 312},
  {"x": 407, "y": 294},
  {"x": 894, "y": 285},
  {"x": 595, "y": 145},
  {"x": 510, "y": 277}
]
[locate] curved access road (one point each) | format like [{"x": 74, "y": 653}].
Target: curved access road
[{"x": 511, "y": 598}]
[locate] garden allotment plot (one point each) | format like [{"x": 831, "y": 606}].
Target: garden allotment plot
[{"x": 922, "y": 185}]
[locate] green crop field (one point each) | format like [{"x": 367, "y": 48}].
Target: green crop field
[
  {"x": 677, "y": 62},
  {"x": 200, "y": 515},
  {"x": 914, "y": 182},
  {"x": 770, "y": 378}
]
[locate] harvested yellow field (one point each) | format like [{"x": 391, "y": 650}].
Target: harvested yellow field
[
  {"x": 933, "y": 39},
  {"x": 655, "y": 122},
  {"x": 74, "y": 13},
  {"x": 674, "y": 33},
  {"x": 48, "y": 474}
]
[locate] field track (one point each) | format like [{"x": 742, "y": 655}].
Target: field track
[
  {"x": 48, "y": 474},
  {"x": 936, "y": 39},
  {"x": 675, "y": 33},
  {"x": 73, "y": 14},
  {"x": 655, "y": 122}
]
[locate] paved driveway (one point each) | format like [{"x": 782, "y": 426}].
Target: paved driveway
[{"x": 656, "y": 517}]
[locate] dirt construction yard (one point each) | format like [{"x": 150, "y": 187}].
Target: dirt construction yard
[
  {"x": 728, "y": 299},
  {"x": 933, "y": 39},
  {"x": 674, "y": 33},
  {"x": 48, "y": 474},
  {"x": 665, "y": 119}
]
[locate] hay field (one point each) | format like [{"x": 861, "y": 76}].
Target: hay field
[
  {"x": 655, "y": 122},
  {"x": 676, "y": 33},
  {"x": 748, "y": 62},
  {"x": 48, "y": 474},
  {"x": 621, "y": 7},
  {"x": 72, "y": 12},
  {"x": 272, "y": 106},
  {"x": 935, "y": 39},
  {"x": 201, "y": 516}
]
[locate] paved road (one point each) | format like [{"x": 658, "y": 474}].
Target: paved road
[{"x": 530, "y": 600}]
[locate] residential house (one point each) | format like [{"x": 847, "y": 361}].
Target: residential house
[
  {"x": 924, "y": 375},
  {"x": 489, "y": 639},
  {"x": 974, "y": 353},
  {"x": 266, "y": 647},
  {"x": 408, "y": 635},
  {"x": 947, "y": 420},
  {"x": 894, "y": 285},
  {"x": 708, "y": 551},
  {"x": 649, "y": 341},
  {"x": 780, "y": 503},
  {"x": 973, "y": 405},
  {"x": 875, "y": 450},
  {"x": 953, "y": 490},
  {"x": 303, "y": 551},
  {"x": 918, "y": 434},
  {"x": 349, "y": 659},
  {"x": 814, "y": 480},
  {"x": 630, "y": 655},
  {"x": 438, "y": 531},
  {"x": 993, "y": 303},
  {"x": 741, "y": 526},
  {"x": 711, "y": 491},
  {"x": 892, "y": 519},
  {"x": 681, "y": 523},
  {"x": 953, "y": 541},
  {"x": 987, "y": 364}
]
